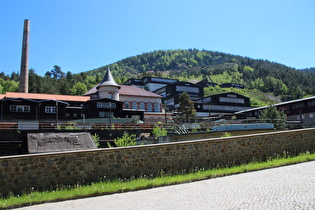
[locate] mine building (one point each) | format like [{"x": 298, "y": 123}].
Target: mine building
[
  {"x": 223, "y": 103},
  {"x": 172, "y": 92},
  {"x": 105, "y": 100},
  {"x": 300, "y": 111},
  {"x": 150, "y": 83}
]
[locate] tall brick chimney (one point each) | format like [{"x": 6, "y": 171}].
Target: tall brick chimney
[{"x": 24, "y": 60}]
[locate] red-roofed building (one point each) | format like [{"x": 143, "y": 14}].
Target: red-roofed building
[
  {"x": 105, "y": 100},
  {"x": 136, "y": 101}
]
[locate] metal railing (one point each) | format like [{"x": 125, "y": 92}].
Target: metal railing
[{"x": 53, "y": 125}]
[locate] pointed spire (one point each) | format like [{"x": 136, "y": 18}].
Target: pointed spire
[{"x": 108, "y": 80}]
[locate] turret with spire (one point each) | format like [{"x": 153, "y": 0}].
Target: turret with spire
[{"x": 108, "y": 88}]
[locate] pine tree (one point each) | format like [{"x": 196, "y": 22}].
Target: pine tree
[
  {"x": 186, "y": 107},
  {"x": 274, "y": 116}
]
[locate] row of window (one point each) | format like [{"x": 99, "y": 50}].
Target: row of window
[
  {"x": 106, "y": 105},
  {"x": 149, "y": 107},
  {"x": 26, "y": 108},
  {"x": 19, "y": 108},
  {"x": 106, "y": 114},
  {"x": 232, "y": 100},
  {"x": 302, "y": 116}
]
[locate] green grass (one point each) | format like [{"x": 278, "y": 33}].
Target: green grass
[{"x": 114, "y": 186}]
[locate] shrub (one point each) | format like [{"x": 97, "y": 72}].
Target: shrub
[
  {"x": 96, "y": 139},
  {"x": 226, "y": 134},
  {"x": 158, "y": 131},
  {"x": 125, "y": 141}
]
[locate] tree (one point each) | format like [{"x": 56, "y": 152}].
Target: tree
[
  {"x": 186, "y": 106},
  {"x": 274, "y": 116},
  {"x": 8, "y": 85},
  {"x": 57, "y": 73},
  {"x": 79, "y": 89}
]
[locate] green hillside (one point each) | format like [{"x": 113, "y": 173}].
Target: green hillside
[
  {"x": 265, "y": 82},
  {"x": 274, "y": 80}
]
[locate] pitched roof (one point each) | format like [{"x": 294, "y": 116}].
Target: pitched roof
[
  {"x": 39, "y": 96},
  {"x": 278, "y": 104},
  {"x": 127, "y": 90}
]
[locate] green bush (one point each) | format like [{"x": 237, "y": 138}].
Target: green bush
[
  {"x": 158, "y": 131},
  {"x": 96, "y": 139},
  {"x": 125, "y": 141},
  {"x": 226, "y": 134}
]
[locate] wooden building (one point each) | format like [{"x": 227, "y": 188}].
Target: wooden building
[
  {"x": 223, "y": 103},
  {"x": 301, "y": 111},
  {"x": 172, "y": 92},
  {"x": 105, "y": 100}
]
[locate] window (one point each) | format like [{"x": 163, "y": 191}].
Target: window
[
  {"x": 134, "y": 105},
  {"x": 101, "y": 114},
  {"x": 311, "y": 115},
  {"x": 298, "y": 105},
  {"x": 106, "y": 114},
  {"x": 187, "y": 89},
  {"x": 149, "y": 109},
  {"x": 142, "y": 106},
  {"x": 127, "y": 105},
  {"x": 156, "y": 107},
  {"x": 19, "y": 108},
  {"x": 231, "y": 100},
  {"x": 111, "y": 95},
  {"x": 311, "y": 103},
  {"x": 106, "y": 105},
  {"x": 50, "y": 109}
]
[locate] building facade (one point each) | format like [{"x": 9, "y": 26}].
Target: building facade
[
  {"x": 135, "y": 101},
  {"x": 105, "y": 100},
  {"x": 150, "y": 83},
  {"x": 224, "y": 103},
  {"x": 301, "y": 111},
  {"x": 172, "y": 92}
]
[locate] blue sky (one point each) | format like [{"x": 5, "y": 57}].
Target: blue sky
[{"x": 81, "y": 35}]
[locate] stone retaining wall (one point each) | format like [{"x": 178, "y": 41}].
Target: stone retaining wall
[{"x": 23, "y": 172}]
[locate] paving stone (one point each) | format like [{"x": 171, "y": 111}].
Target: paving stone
[{"x": 288, "y": 187}]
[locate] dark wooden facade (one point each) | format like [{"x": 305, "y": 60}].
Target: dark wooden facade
[
  {"x": 222, "y": 103},
  {"x": 28, "y": 109},
  {"x": 300, "y": 110},
  {"x": 55, "y": 110},
  {"x": 104, "y": 108},
  {"x": 172, "y": 92}
]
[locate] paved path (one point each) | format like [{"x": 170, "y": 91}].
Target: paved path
[{"x": 289, "y": 187}]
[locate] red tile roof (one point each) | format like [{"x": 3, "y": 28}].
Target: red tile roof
[
  {"x": 126, "y": 90},
  {"x": 135, "y": 91},
  {"x": 39, "y": 96}
]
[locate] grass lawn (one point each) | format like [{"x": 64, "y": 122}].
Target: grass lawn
[{"x": 114, "y": 186}]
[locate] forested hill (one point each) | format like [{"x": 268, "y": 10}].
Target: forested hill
[
  {"x": 265, "y": 82},
  {"x": 193, "y": 64}
]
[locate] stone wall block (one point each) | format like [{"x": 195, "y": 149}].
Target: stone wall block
[{"x": 48, "y": 170}]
